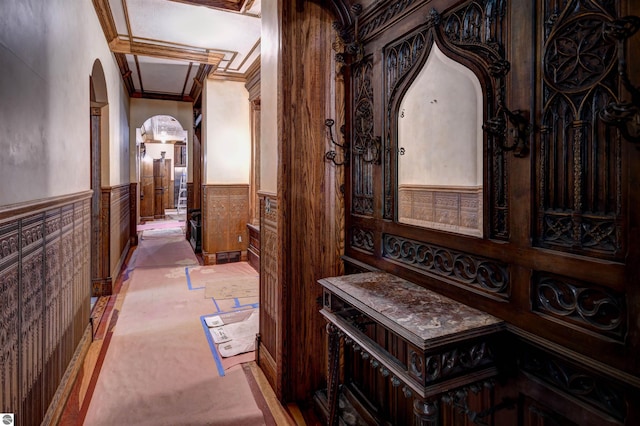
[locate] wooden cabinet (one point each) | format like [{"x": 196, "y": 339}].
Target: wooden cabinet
[{"x": 420, "y": 345}]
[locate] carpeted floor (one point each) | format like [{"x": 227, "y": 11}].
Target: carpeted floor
[{"x": 158, "y": 369}]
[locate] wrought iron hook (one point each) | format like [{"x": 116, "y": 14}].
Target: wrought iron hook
[
  {"x": 520, "y": 131},
  {"x": 624, "y": 115},
  {"x": 331, "y": 155}
]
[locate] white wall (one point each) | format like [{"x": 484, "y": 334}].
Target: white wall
[
  {"x": 226, "y": 132},
  {"x": 440, "y": 126},
  {"x": 47, "y": 50},
  {"x": 269, "y": 49}
]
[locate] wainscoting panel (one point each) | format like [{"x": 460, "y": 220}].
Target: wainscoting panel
[
  {"x": 225, "y": 214},
  {"x": 270, "y": 293},
  {"x": 45, "y": 289}
]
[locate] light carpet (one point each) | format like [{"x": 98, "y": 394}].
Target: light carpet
[{"x": 158, "y": 369}]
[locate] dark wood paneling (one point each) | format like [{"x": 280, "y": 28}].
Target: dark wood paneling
[
  {"x": 225, "y": 217},
  {"x": 559, "y": 255},
  {"x": 44, "y": 290},
  {"x": 146, "y": 190}
]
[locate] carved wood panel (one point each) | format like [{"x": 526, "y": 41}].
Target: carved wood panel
[
  {"x": 226, "y": 214},
  {"x": 44, "y": 294},
  {"x": 579, "y": 160},
  {"x": 558, "y": 259},
  {"x": 362, "y": 192},
  {"x": 270, "y": 291}
]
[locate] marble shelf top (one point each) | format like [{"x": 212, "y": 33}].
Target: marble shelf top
[{"x": 423, "y": 317}]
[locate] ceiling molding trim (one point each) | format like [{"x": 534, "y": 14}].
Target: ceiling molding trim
[
  {"x": 125, "y": 72},
  {"x": 232, "y": 5},
  {"x": 196, "y": 89},
  {"x": 226, "y": 76},
  {"x": 119, "y": 45},
  {"x": 162, "y": 96},
  {"x": 103, "y": 10}
]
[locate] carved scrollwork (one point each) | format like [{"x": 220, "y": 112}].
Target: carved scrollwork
[
  {"x": 589, "y": 306},
  {"x": 362, "y": 239},
  {"x": 575, "y": 381},
  {"x": 464, "y": 359},
  {"x": 467, "y": 269}
]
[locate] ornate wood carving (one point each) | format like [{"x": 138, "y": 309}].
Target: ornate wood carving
[
  {"x": 586, "y": 305},
  {"x": 44, "y": 294},
  {"x": 579, "y": 159},
  {"x": 269, "y": 289},
  {"x": 576, "y": 381},
  {"x": 473, "y": 32},
  {"x": 384, "y": 17},
  {"x": 362, "y": 239},
  {"x": 9, "y": 316},
  {"x": 488, "y": 276},
  {"x": 226, "y": 214},
  {"x": 362, "y": 194}
]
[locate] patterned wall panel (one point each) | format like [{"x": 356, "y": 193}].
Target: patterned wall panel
[
  {"x": 579, "y": 159},
  {"x": 486, "y": 275},
  {"x": 225, "y": 218},
  {"x": 120, "y": 226},
  {"x": 588, "y": 306},
  {"x": 269, "y": 291},
  {"x": 44, "y": 285},
  {"x": 9, "y": 316},
  {"x": 362, "y": 195}
]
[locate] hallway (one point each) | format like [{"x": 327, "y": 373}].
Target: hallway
[{"x": 153, "y": 364}]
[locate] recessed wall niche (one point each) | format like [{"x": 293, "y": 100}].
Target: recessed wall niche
[{"x": 440, "y": 140}]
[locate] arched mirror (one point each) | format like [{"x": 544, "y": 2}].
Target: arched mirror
[{"x": 440, "y": 143}]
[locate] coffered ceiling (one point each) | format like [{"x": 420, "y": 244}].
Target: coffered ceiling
[{"x": 166, "y": 48}]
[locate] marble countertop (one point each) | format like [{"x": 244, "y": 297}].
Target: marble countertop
[{"x": 423, "y": 317}]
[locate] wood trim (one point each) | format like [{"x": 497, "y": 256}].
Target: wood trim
[
  {"x": 56, "y": 407},
  {"x": 119, "y": 45},
  {"x": 19, "y": 210}
]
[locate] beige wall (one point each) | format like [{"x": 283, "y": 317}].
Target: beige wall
[
  {"x": 143, "y": 109},
  {"x": 270, "y": 45},
  {"x": 226, "y": 133},
  {"x": 47, "y": 51}
]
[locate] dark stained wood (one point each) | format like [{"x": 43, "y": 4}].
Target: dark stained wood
[
  {"x": 560, "y": 244},
  {"x": 161, "y": 179},
  {"x": 306, "y": 197},
  {"x": 146, "y": 190},
  {"x": 45, "y": 270}
]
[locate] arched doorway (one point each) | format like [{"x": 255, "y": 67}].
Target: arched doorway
[
  {"x": 101, "y": 282},
  {"x": 163, "y": 168}
]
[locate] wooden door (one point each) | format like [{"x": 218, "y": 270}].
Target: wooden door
[
  {"x": 161, "y": 177},
  {"x": 146, "y": 189}
]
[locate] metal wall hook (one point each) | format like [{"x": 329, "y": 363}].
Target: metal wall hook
[
  {"x": 331, "y": 155},
  {"x": 522, "y": 128},
  {"x": 624, "y": 115},
  {"x": 372, "y": 147}
]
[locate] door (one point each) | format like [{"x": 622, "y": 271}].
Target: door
[
  {"x": 146, "y": 191},
  {"x": 161, "y": 177}
]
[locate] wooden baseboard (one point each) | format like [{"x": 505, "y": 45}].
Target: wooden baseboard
[
  {"x": 268, "y": 365},
  {"x": 59, "y": 401}
]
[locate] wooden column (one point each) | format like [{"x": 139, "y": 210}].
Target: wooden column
[{"x": 308, "y": 202}]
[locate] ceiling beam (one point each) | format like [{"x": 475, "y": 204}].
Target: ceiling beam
[
  {"x": 233, "y": 5},
  {"x": 119, "y": 45}
]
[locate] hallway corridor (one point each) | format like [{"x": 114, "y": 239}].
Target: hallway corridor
[{"x": 154, "y": 365}]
